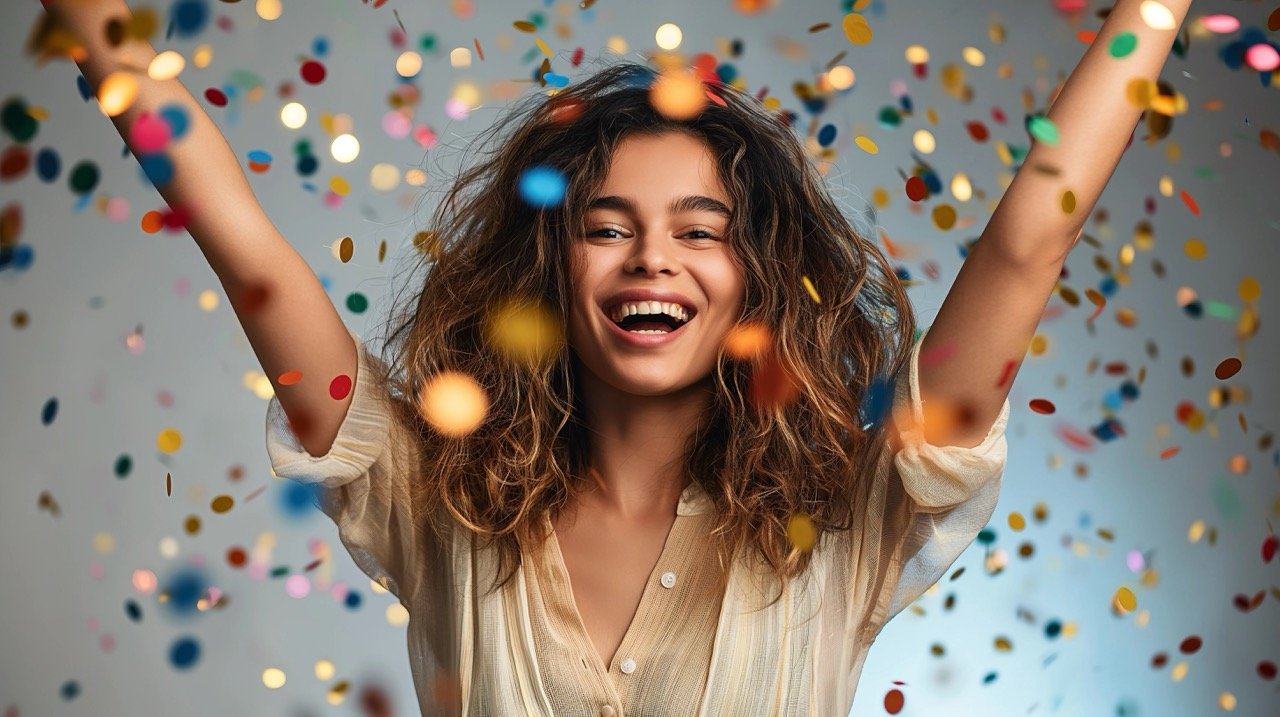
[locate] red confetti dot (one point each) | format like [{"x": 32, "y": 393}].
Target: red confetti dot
[
  {"x": 772, "y": 385},
  {"x": 1190, "y": 201},
  {"x": 312, "y": 72},
  {"x": 216, "y": 97},
  {"x": 916, "y": 189},
  {"x": 894, "y": 701},
  {"x": 1184, "y": 410},
  {"x": 1191, "y": 645},
  {"x": 236, "y": 557},
  {"x": 920, "y": 70},
  {"x": 1267, "y": 670},
  {"x": 15, "y": 161},
  {"x": 1269, "y": 548},
  {"x": 1169, "y": 452},
  {"x": 577, "y": 57},
  {"x": 1042, "y": 405},
  {"x": 977, "y": 131},
  {"x": 339, "y": 387},
  {"x": 997, "y": 114}
]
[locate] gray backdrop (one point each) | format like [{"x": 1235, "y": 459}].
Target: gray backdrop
[{"x": 70, "y": 646}]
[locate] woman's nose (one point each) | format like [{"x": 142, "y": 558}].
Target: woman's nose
[{"x": 652, "y": 254}]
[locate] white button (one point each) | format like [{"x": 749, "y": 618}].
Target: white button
[
  {"x": 668, "y": 579},
  {"x": 628, "y": 666},
  {"x": 607, "y": 711}
]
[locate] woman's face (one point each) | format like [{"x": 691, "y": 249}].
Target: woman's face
[{"x": 658, "y": 224}]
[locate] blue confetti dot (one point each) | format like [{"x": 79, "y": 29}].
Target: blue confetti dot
[
  {"x": 157, "y": 167},
  {"x": 1052, "y": 629},
  {"x": 260, "y": 156},
  {"x": 298, "y": 499},
  {"x": 320, "y": 46},
  {"x": 70, "y": 690},
  {"x": 555, "y": 80},
  {"x": 133, "y": 610},
  {"x": 49, "y": 412},
  {"x": 83, "y": 86},
  {"x": 307, "y": 165},
  {"x": 184, "y": 653},
  {"x": 185, "y": 590},
  {"x": 189, "y": 17},
  {"x": 827, "y": 135},
  {"x": 48, "y": 165},
  {"x": 20, "y": 257},
  {"x": 727, "y": 73},
  {"x": 353, "y": 600},
  {"x": 176, "y": 117},
  {"x": 542, "y": 187},
  {"x": 1108, "y": 286},
  {"x": 877, "y": 401}
]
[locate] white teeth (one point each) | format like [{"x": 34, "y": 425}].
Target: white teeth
[{"x": 675, "y": 311}]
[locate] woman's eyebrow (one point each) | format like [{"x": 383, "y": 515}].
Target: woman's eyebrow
[{"x": 688, "y": 203}]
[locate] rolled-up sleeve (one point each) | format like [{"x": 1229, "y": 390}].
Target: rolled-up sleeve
[
  {"x": 363, "y": 481},
  {"x": 945, "y": 494}
]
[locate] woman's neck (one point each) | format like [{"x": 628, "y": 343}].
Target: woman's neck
[{"x": 637, "y": 447}]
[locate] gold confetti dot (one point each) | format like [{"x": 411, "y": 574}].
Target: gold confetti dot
[
  {"x": 866, "y": 144},
  {"x": 169, "y": 440},
  {"x": 856, "y": 29},
  {"x": 1195, "y": 249},
  {"x": 525, "y": 331},
  {"x": 944, "y": 216},
  {"x": 1017, "y": 522},
  {"x": 1250, "y": 289},
  {"x": 345, "y": 248},
  {"x": 222, "y": 504},
  {"x": 747, "y": 340},
  {"x": 801, "y": 532},
  {"x": 1124, "y": 600},
  {"x": 1068, "y": 201},
  {"x": 273, "y": 678},
  {"x": 813, "y": 292}
]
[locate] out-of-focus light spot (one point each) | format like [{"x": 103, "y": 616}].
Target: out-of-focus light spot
[
  {"x": 397, "y": 616},
  {"x": 273, "y": 677},
  {"x": 466, "y": 94},
  {"x": 166, "y": 66},
  {"x": 961, "y": 188},
  {"x": 460, "y": 57},
  {"x": 144, "y": 581},
  {"x": 208, "y": 300},
  {"x": 345, "y": 148},
  {"x": 1157, "y": 16},
  {"x": 974, "y": 56},
  {"x": 408, "y": 64},
  {"x": 324, "y": 670},
  {"x": 269, "y": 10},
  {"x": 1222, "y": 24},
  {"x": 384, "y": 177},
  {"x": 415, "y": 177},
  {"x": 293, "y": 115},
  {"x": 923, "y": 141},
  {"x": 841, "y": 77},
  {"x": 168, "y": 548},
  {"x": 104, "y": 543},
  {"x": 117, "y": 93},
  {"x": 668, "y": 36},
  {"x": 617, "y": 45},
  {"x": 917, "y": 54}
]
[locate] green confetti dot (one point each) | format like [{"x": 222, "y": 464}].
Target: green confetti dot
[
  {"x": 357, "y": 303},
  {"x": 17, "y": 121},
  {"x": 1123, "y": 44},
  {"x": 1226, "y": 499},
  {"x": 124, "y": 464},
  {"x": 84, "y": 177},
  {"x": 889, "y": 117},
  {"x": 427, "y": 43},
  {"x": 1044, "y": 130},
  {"x": 1220, "y": 310}
]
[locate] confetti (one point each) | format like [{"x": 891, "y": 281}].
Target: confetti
[
  {"x": 453, "y": 403},
  {"x": 809, "y": 287},
  {"x": 856, "y": 29}
]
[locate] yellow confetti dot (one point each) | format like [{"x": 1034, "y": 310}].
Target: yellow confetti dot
[
  {"x": 880, "y": 196},
  {"x": 1227, "y": 701},
  {"x": 525, "y": 332},
  {"x": 202, "y": 56},
  {"x": 169, "y": 440},
  {"x": 104, "y": 543},
  {"x": 866, "y": 144},
  {"x": 461, "y": 57},
  {"x": 324, "y": 669},
  {"x": 944, "y": 216},
  {"x": 208, "y": 300},
  {"x": 808, "y": 286},
  {"x": 961, "y": 188},
  {"x": 1250, "y": 289},
  {"x": 384, "y": 177},
  {"x": 1195, "y": 249},
  {"x": 1140, "y": 91},
  {"x": 747, "y": 340},
  {"x": 974, "y": 56},
  {"x": 1068, "y": 201},
  {"x": 1039, "y": 344},
  {"x": 856, "y": 28},
  {"x": 273, "y": 678},
  {"x": 1178, "y": 672},
  {"x": 801, "y": 532},
  {"x": 1124, "y": 600},
  {"x": 1003, "y": 644},
  {"x": 222, "y": 504},
  {"x": 1166, "y": 186},
  {"x": 1017, "y": 522},
  {"x": 546, "y": 50},
  {"x": 453, "y": 403},
  {"x": 339, "y": 186}
]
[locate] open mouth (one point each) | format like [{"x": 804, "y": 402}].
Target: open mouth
[{"x": 664, "y": 321}]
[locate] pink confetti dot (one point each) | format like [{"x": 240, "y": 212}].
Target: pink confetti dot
[
  {"x": 1262, "y": 57},
  {"x": 165, "y": 399},
  {"x": 297, "y": 586},
  {"x": 97, "y": 570},
  {"x": 455, "y": 109},
  {"x": 424, "y": 136},
  {"x": 339, "y": 591},
  {"x": 118, "y": 209},
  {"x": 107, "y": 642},
  {"x": 396, "y": 125},
  {"x": 1221, "y": 24},
  {"x": 182, "y": 286},
  {"x": 332, "y": 200},
  {"x": 150, "y": 133},
  {"x": 93, "y": 624},
  {"x": 257, "y": 571}
]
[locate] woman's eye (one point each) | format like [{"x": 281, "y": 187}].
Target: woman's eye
[
  {"x": 705, "y": 234},
  {"x": 604, "y": 233}
]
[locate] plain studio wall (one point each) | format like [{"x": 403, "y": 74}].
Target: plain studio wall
[{"x": 112, "y": 335}]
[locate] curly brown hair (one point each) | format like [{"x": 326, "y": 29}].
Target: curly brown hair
[{"x": 759, "y": 464}]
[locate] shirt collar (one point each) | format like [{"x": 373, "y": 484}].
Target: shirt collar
[{"x": 693, "y": 500}]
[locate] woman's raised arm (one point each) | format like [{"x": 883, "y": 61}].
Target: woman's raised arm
[{"x": 286, "y": 314}]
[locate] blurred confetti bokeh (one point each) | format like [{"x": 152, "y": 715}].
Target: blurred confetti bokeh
[{"x": 1129, "y": 568}]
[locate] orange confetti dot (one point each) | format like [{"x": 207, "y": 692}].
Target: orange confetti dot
[
  {"x": 1086, "y": 37},
  {"x": 747, "y": 341},
  {"x": 289, "y": 378},
  {"x": 1169, "y": 452},
  {"x": 1227, "y": 368},
  {"x": 894, "y": 701},
  {"x": 152, "y": 222}
]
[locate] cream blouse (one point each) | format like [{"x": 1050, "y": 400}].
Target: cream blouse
[{"x": 689, "y": 650}]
